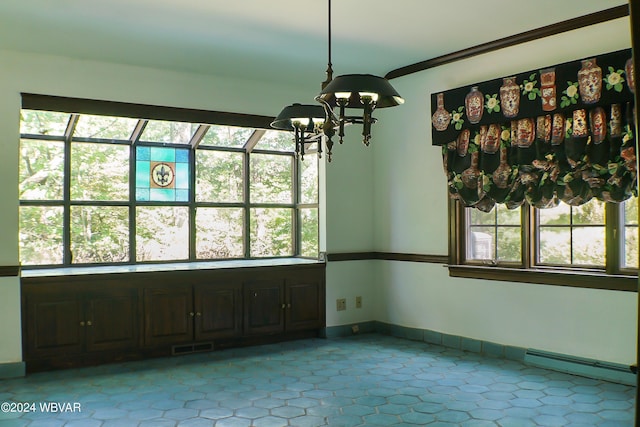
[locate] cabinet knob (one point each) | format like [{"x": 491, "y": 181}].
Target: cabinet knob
[
  {"x": 89, "y": 323},
  {"x": 191, "y": 314},
  {"x": 283, "y": 306},
  {"x": 81, "y": 323},
  {"x": 289, "y": 305},
  {"x": 198, "y": 314}
]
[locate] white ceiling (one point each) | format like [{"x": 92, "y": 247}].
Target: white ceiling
[{"x": 277, "y": 40}]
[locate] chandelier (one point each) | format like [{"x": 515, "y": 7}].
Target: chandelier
[{"x": 364, "y": 92}]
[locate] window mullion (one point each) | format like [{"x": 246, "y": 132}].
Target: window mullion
[
  {"x": 614, "y": 242},
  {"x": 67, "y": 258},
  {"x": 530, "y": 236},
  {"x": 247, "y": 206}
]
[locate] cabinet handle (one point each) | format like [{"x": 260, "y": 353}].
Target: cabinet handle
[
  {"x": 89, "y": 323},
  {"x": 283, "y": 306},
  {"x": 198, "y": 314},
  {"x": 81, "y": 323},
  {"x": 191, "y": 314},
  {"x": 289, "y": 305}
]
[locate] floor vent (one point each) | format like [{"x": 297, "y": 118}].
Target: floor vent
[
  {"x": 591, "y": 368},
  {"x": 191, "y": 348}
]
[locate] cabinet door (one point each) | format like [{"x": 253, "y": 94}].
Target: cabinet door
[
  {"x": 55, "y": 324},
  {"x": 218, "y": 310},
  {"x": 305, "y": 302},
  {"x": 264, "y": 307},
  {"x": 168, "y": 315},
  {"x": 111, "y": 322}
]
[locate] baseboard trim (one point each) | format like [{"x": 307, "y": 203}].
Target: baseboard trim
[
  {"x": 12, "y": 370},
  {"x": 590, "y": 368},
  {"x": 613, "y": 372}
]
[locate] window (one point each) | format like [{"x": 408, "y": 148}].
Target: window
[
  {"x": 99, "y": 189},
  {"x": 591, "y": 245}
]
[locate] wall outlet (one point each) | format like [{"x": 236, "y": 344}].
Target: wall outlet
[
  {"x": 341, "y": 304},
  {"x": 358, "y": 302},
  {"x": 355, "y": 329}
]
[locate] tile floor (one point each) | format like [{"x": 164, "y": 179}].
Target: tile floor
[{"x": 365, "y": 380}]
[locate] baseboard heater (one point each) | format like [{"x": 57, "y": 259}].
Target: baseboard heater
[
  {"x": 590, "y": 368},
  {"x": 191, "y": 348}
]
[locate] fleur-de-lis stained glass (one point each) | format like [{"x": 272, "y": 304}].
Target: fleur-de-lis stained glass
[{"x": 162, "y": 174}]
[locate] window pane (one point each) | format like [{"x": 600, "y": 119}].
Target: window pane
[
  {"x": 559, "y": 215},
  {"x": 481, "y": 243},
  {"x": 104, "y": 127},
  {"x": 271, "y": 232},
  {"x": 41, "y": 235},
  {"x": 555, "y": 245},
  {"x": 630, "y": 238},
  {"x": 41, "y": 170},
  {"x": 591, "y": 212},
  {"x": 509, "y": 244},
  {"x": 508, "y": 216},
  {"x": 271, "y": 178},
  {"x": 219, "y": 176},
  {"x": 631, "y": 211},
  {"x": 162, "y": 174},
  {"x": 162, "y": 233},
  {"x": 164, "y": 131},
  {"x": 276, "y": 140},
  {"x": 309, "y": 231},
  {"x": 309, "y": 179},
  {"x": 477, "y": 217},
  {"x": 99, "y": 234},
  {"x": 631, "y": 253},
  {"x": 588, "y": 246},
  {"x": 226, "y": 136},
  {"x": 219, "y": 233},
  {"x": 37, "y": 122},
  {"x": 99, "y": 171}
]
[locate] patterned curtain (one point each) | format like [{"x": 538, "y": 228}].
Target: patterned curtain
[{"x": 562, "y": 133}]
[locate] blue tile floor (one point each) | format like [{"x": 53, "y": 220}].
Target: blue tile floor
[{"x": 364, "y": 380}]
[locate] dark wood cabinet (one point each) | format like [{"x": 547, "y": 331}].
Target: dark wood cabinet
[
  {"x": 218, "y": 310},
  {"x": 111, "y": 320},
  {"x": 264, "y": 306},
  {"x": 287, "y": 304},
  {"x": 53, "y": 320},
  {"x": 305, "y": 302},
  {"x": 90, "y": 319},
  {"x": 72, "y": 322},
  {"x": 168, "y": 315}
]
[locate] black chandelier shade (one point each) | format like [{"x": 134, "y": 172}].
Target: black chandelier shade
[
  {"x": 313, "y": 113},
  {"x": 358, "y": 84}
]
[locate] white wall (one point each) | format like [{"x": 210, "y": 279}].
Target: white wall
[{"x": 411, "y": 216}]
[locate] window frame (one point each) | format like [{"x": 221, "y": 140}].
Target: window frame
[
  {"x": 609, "y": 278},
  {"x": 116, "y": 109}
]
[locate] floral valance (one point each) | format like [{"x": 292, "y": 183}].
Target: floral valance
[{"x": 559, "y": 133}]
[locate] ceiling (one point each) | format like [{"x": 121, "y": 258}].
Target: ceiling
[{"x": 276, "y": 41}]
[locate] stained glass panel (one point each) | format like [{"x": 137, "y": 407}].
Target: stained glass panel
[{"x": 162, "y": 174}]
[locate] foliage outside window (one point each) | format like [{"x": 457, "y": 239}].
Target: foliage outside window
[
  {"x": 98, "y": 190},
  {"x": 594, "y": 238}
]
